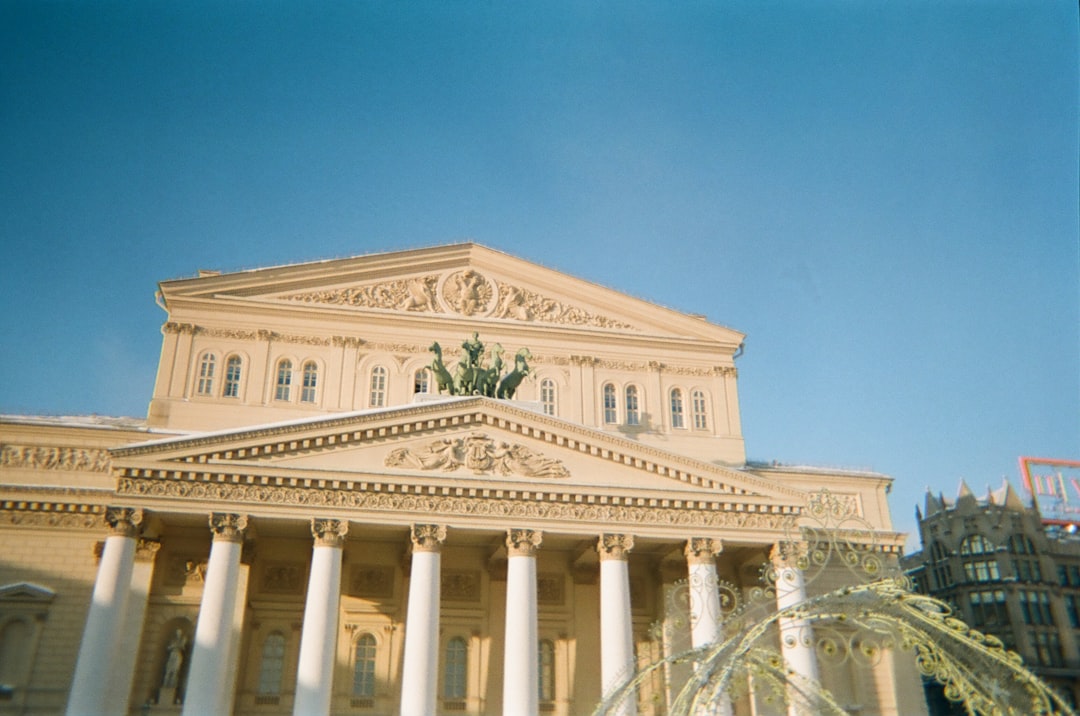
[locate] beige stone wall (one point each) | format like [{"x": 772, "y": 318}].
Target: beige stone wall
[{"x": 59, "y": 558}]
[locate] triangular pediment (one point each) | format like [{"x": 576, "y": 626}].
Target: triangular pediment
[
  {"x": 453, "y": 444},
  {"x": 465, "y": 282}
]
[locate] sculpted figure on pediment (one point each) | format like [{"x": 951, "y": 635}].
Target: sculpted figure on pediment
[
  {"x": 478, "y": 453},
  {"x": 441, "y": 454}
]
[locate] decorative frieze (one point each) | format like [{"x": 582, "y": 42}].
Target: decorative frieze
[
  {"x": 615, "y": 546},
  {"x": 502, "y": 504},
  {"x": 480, "y": 454},
  {"x": 41, "y": 457},
  {"x": 523, "y": 542}
]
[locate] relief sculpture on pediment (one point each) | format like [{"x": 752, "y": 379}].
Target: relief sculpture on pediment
[
  {"x": 466, "y": 293},
  {"x": 478, "y": 453}
]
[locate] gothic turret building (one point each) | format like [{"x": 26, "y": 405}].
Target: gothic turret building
[
  {"x": 437, "y": 481},
  {"x": 1006, "y": 574}
]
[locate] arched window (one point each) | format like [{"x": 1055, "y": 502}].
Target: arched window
[
  {"x": 546, "y": 664},
  {"x": 420, "y": 382},
  {"x": 284, "y": 379},
  {"x": 700, "y": 409},
  {"x": 547, "y": 396},
  {"x": 455, "y": 669},
  {"x": 272, "y": 666},
  {"x": 232, "y": 377},
  {"x": 14, "y": 643},
  {"x": 363, "y": 685},
  {"x": 378, "y": 387},
  {"x": 677, "y": 419},
  {"x": 633, "y": 410},
  {"x": 206, "y": 374},
  {"x": 310, "y": 385},
  {"x": 611, "y": 413}
]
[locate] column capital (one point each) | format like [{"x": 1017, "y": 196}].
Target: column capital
[
  {"x": 146, "y": 550},
  {"x": 523, "y": 542},
  {"x": 789, "y": 555},
  {"x": 427, "y": 538},
  {"x": 702, "y": 550},
  {"x": 329, "y": 532},
  {"x": 123, "y": 521},
  {"x": 615, "y": 546},
  {"x": 228, "y": 526}
]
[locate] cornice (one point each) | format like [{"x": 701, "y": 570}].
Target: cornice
[
  {"x": 281, "y": 440},
  {"x": 63, "y": 515}
]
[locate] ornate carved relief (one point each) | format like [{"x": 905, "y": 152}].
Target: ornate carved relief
[
  {"x": 460, "y": 586},
  {"x": 511, "y": 507},
  {"x": 282, "y": 578},
  {"x": 550, "y": 589},
  {"x": 37, "y": 457},
  {"x": 478, "y": 453},
  {"x": 376, "y": 582},
  {"x": 467, "y": 293},
  {"x": 184, "y": 569}
]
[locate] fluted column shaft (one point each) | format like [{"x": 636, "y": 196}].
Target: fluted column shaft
[
  {"x": 617, "y": 662},
  {"x": 318, "y": 641},
  {"x": 520, "y": 655},
  {"x": 208, "y": 677},
  {"x": 419, "y": 679},
  {"x": 98, "y": 650}
]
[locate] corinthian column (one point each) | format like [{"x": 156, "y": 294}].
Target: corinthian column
[
  {"x": 796, "y": 637},
  {"x": 520, "y": 669},
  {"x": 208, "y": 677},
  {"x": 97, "y": 653},
  {"x": 420, "y": 668},
  {"x": 314, "y": 679},
  {"x": 617, "y": 663},
  {"x": 705, "y": 620}
]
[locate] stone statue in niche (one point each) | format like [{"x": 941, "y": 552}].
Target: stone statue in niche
[{"x": 176, "y": 653}]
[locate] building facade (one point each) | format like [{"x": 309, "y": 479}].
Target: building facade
[
  {"x": 306, "y": 522},
  {"x": 1005, "y": 573}
]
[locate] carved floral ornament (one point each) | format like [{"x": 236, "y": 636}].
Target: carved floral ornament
[
  {"x": 478, "y": 453},
  {"x": 465, "y": 292},
  {"x": 500, "y": 503}
]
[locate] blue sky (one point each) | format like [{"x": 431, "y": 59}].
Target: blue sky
[{"x": 882, "y": 195}]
